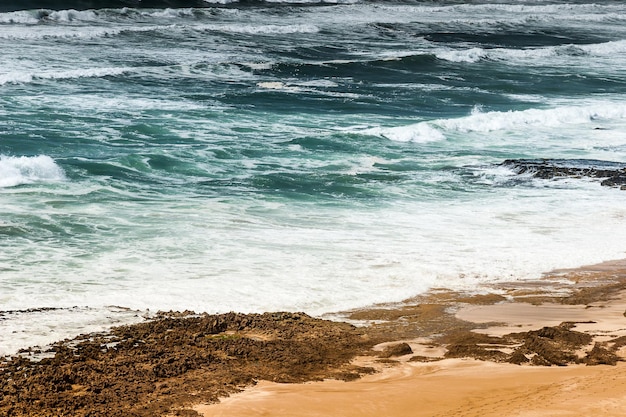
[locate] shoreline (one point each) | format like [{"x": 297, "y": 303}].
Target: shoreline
[
  {"x": 425, "y": 382},
  {"x": 441, "y": 353}
]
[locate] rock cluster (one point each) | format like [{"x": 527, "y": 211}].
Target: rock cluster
[
  {"x": 157, "y": 367},
  {"x": 611, "y": 174},
  {"x": 548, "y": 346}
]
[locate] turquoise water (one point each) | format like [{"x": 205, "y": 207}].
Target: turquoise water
[{"x": 309, "y": 156}]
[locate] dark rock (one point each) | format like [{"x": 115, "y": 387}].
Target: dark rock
[
  {"x": 553, "y": 345},
  {"x": 475, "y": 345},
  {"x": 518, "y": 357},
  {"x": 601, "y": 356},
  {"x": 612, "y": 174},
  {"x": 539, "y": 360},
  {"x": 618, "y": 180},
  {"x": 399, "y": 349},
  {"x": 619, "y": 342},
  {"x": 157, "y": 367},
  {"x": 564, "y": 335}
]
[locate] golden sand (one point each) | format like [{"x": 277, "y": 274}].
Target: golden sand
[
  {"x": 464, "y": 387},
  {"x": 453, "y": 387}
]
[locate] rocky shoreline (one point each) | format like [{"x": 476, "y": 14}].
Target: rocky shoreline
[
  {"x": 156, "y": 367},
  {"x": 167, "y": 365},
  {"x": 610, "y": 174}
]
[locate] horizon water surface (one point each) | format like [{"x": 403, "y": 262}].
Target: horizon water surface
[{"x": 307, "y": 157}]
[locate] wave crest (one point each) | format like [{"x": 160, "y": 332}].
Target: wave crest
[
  {"x": 423, "y": 132},
  {"x": 483, "y": 122},
  {"x": 263, "y": 29},
  {"x": 16, "y": 77},
  {"x": 473, "y": 55},
  {"x": 20, "y": 170}
]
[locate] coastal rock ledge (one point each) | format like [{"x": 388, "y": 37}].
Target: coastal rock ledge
[{"x": 611, "y": 174}]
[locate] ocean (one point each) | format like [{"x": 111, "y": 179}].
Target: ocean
[{"x": 303, "y": 156}]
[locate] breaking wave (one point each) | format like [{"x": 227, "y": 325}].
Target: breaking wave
[
  {"x": 437, "y": 130},
  {"x": 263, "y": 29},
  {"x": 20, "y": 170},
  {"x": 472, "y": 55},
  {"x": 16, "y": 77}
]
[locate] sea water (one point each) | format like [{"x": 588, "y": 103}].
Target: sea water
[{"x": 308, "y": 156}]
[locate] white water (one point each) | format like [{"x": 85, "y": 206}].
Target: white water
[
  {"x": 27, "y": 170},
  {"x": 587, "y": 115}
]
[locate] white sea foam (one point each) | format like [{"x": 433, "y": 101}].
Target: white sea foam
[
  {"x": 611, "y": 49},
  {"x": 307, "y": 87},
  {"x": 319, "y": 83},
  {"x": 72, "y": 15},
  {"x": 99, "y": 103},
  {"x": 480, "y": 13},
  {"x": 420, "y": 133},
  {"x": 276, "y": 85},
  {"x": 258, "y": 65},
  {"x": 500, "y": 14},
  {"x": 20, "y": 77},
  {"x": 466, "y": 55},
  {"x": 335, "y": 258},
  {"x": 21, "y": 17},
  {"x": 171, "y": 13},
  {"x": 26, "y": 170},
  {"x": 262, "y": 29},
  {"x": 479, "y": 121},
  {"x": 78, "y": 32},
  {"x": 51, "y": 32},
  {"x": 41, "y": 327},
  {"x": 513, "y": 120},
  {"x": 554, "y": 9}
]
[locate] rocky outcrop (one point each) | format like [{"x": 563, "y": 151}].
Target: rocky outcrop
[
  {"x": 548, "y": 346},
  {"x": 398, "y": 349},
  {"x": 157, "y": 367},
  {"x": 610, "y": 174}
]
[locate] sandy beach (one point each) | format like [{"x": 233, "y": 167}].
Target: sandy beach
[
  {"x": 470, "y": 387},
  {"x": 453, "y": 387}
]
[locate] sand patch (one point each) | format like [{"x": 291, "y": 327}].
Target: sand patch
[{"x": 454, "y": 387}]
